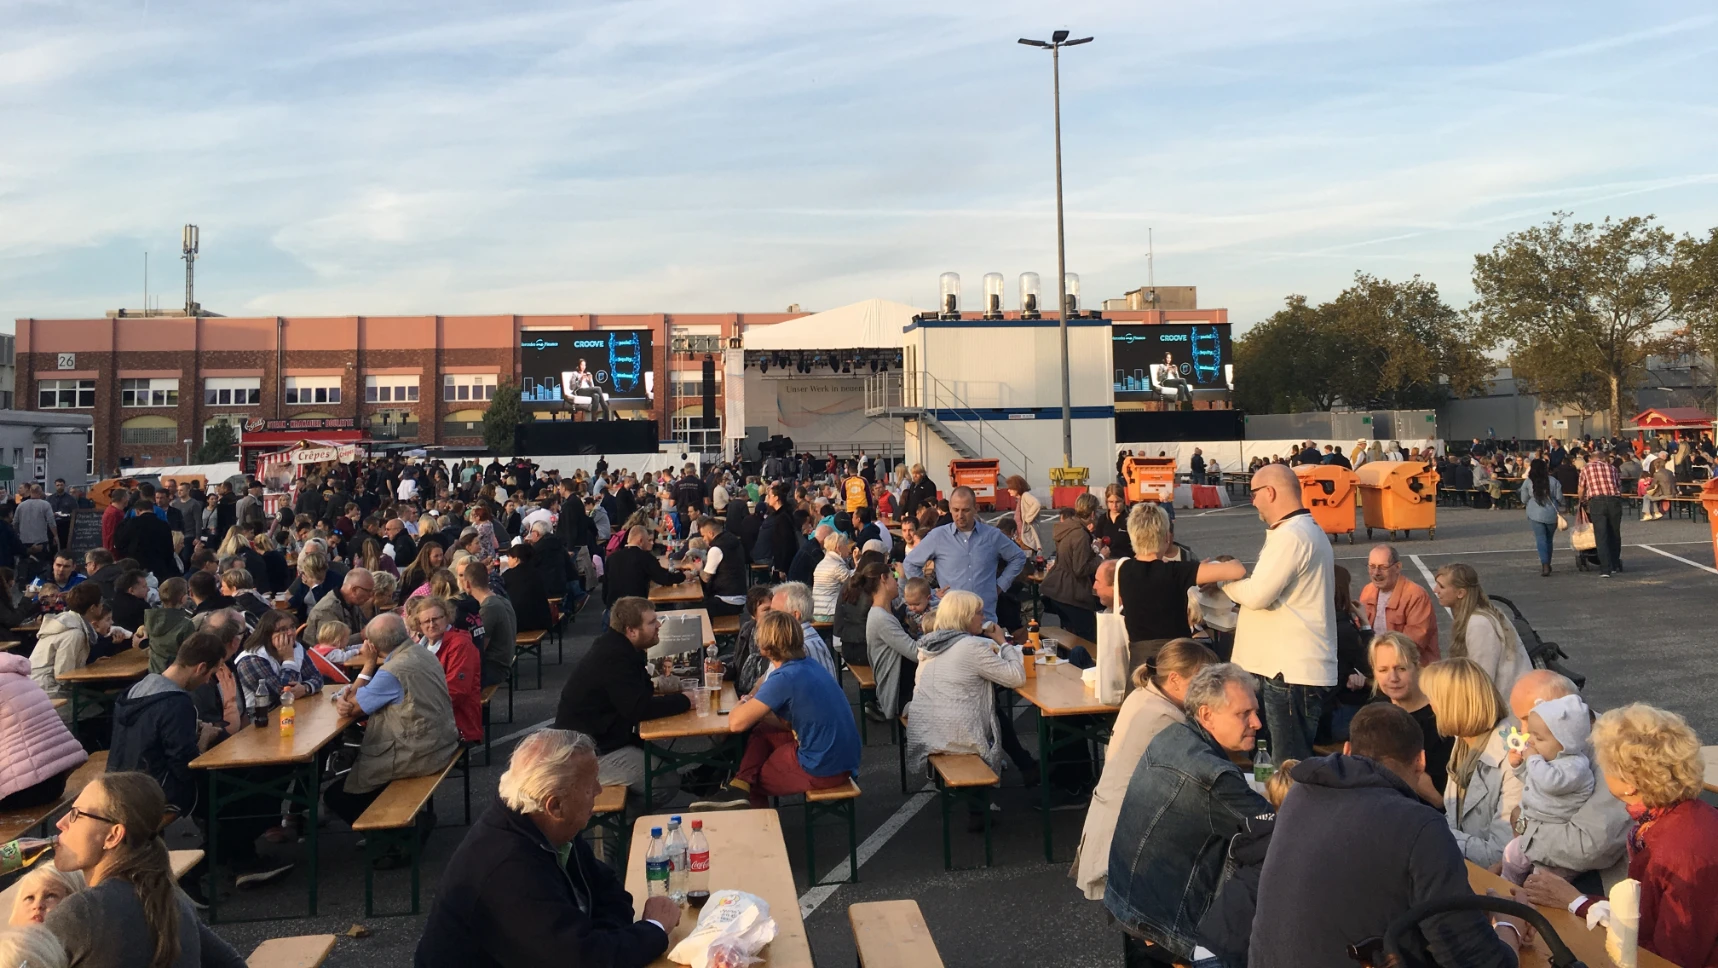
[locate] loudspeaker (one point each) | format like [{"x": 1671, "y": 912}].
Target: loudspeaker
[{"x": 709, "y": 390}]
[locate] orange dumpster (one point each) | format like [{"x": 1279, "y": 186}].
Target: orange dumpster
[
  {"x": 1328, "y": 491},
  {"x": 1150, "y": 479},
  {"x": 1709, "y": 498},
  {"x": 1399, "y": 496},
  {"x": 980, "y": 475}
]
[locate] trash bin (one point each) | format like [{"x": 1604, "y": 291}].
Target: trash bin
[
  {"x": 1399, "y": 496},
  {"x": 980, "y": 475},
  {"x": 1328, "y": 492},
  {"x": 1150, "y": 479},
  {"x": 1709, "y": 498}
]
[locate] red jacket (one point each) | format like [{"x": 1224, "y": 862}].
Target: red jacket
[
  {"x": 110, "y": 520},
  {"x": 463, "y": 666},
  {"x": 1678, "y": 872}
]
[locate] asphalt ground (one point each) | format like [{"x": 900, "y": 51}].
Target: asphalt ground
[{"x": 1641, "y": 635}]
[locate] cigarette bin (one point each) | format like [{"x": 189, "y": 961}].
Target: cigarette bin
[
  {"x": 1399, "y": 496},
  {"x": 1328, "y": 491},
  {"x": 1150, "y": 479},
  {"x": 978, "y": 474}
]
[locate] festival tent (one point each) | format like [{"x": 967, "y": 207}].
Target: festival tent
[{"x": 872, "y": 324}]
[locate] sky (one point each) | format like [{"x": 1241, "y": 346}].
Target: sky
[{"x": 386, "y": 157}]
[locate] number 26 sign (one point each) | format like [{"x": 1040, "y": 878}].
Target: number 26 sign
[{"x": 68, "y": 361}]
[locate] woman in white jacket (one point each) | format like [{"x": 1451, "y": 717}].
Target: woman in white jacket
[
  {"x": 67, "y": 640},
  {"x": 1159, "y": 688},
  {"x": 1026, "y": 511},
  {"x": 1479, "y": 630},
  {"x": 831, "y": 573},
  {"x": 1482, "y": 791}
]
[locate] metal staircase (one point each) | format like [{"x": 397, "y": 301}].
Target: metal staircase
[{"x": 920, "y": 396}]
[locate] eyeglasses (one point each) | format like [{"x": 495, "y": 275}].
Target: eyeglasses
[{"x": 75, "y": 813}]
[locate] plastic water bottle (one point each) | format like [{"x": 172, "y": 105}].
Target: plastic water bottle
[
  {"x": 1263, "y": 767},
  {"x": 656, "y": 866},
  {"x": 698, "y": 860},
  {"x": 677, "y": 862}
]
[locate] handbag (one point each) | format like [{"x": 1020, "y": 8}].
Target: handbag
[
  {"x": 1562, "y": 522},
  {"x": 1112, "y": 654},
  {"x": 1581, "y": 537}
]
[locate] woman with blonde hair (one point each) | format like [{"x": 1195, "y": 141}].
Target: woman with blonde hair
[
  {"x": 1480, "y": 630},
  {"x": 1651, "y": 762},
  {"x": 132, "y": 915},
  {"x": 1159, "y": 688},
  {"x": 1151, "y": 590},
  {"x": 1395, "y": 663},
  {"x": 954, "y": 699},
  {"x": 1482, "y": 792}
]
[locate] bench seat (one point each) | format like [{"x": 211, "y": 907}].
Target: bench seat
[
  {"x": 304, "y": 951},
  {"x": 392, "y": 820},
  {"x": 962, "y": 770},
  {"x": 892, "y": 934}
]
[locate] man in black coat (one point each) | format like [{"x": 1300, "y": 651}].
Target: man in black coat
[
  {"x": 146, "y": 538},
  {"x": 920, "y": 492},
  {"x": 610, "y": 692},
  {"x": 632, "y": 568},
  {"x": 550, "y": 558},
  {"x": 1397, "y": 853},
  {"x": 524, "y": 889},
  {"x": 805, "y": 561}
]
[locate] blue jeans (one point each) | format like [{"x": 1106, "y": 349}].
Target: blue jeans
[
  {"x": 1543, "y": 532},
  {"x": 1291, "y": 716}
]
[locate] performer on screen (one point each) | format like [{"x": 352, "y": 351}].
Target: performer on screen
[
  {"x": 582, "y": 383},
  {"x": 1170, "y": 385}
]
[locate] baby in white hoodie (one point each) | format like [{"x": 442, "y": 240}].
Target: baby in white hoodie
[{"x": 1558, "y": 772}]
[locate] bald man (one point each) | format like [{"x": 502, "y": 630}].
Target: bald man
[
  {"x": 1595, "y": 837},
  {"x": 1285, "y": 633}
]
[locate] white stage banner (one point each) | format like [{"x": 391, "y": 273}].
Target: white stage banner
[{"x": 734, "y": 395}]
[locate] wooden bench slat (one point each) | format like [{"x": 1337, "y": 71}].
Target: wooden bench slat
[
  {"x": 847, "y": 792},
  {"x": 611, "y": 800},
  {"x": 725, "y": 625},
  {"x": 892, "y": 934},
  {"x": 529, "y": 637},
  {"x": 399, "y": 804},
  {"x": 863, "y": 674},
  {"x": 963, "y": 770},
  {"x": 14, "y": 823},
  {"x": 304, "y": 951}
]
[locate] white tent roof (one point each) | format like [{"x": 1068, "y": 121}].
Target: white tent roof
[{"x": 872, "y": 324}]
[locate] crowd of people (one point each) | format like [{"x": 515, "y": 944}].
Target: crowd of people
[{"x": 1392, "y": 743}]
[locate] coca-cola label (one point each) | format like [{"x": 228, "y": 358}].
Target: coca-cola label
[{"x": 699, "y": 862}]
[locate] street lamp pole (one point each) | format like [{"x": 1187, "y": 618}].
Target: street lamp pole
[{"x": 1059, "y": 40}]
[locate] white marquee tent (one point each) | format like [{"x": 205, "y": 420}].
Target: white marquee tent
[{"x": 872, "y": 324}]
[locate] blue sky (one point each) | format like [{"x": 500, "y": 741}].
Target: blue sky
[{"x": 690, "y": 155}]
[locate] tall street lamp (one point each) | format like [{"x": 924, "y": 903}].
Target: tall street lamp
[{"x": 1054, "y": 45}]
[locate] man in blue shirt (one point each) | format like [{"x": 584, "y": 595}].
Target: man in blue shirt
[
  {"x": 969, "y": 554},
  {"x": 804, "y": 738}
]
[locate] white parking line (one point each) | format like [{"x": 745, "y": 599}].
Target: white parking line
[
  {"x": 1426, "y": 573},
  {"x": 1679, "y": 558},
  {"x": 811, "y": 900}
]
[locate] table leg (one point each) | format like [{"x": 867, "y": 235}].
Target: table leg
[
  {"x": 647, "y": 783},
  {"x": 1044, "y": 780},
  {"x": 213, "y": 845},
  {"x": 312, "y": 779}
]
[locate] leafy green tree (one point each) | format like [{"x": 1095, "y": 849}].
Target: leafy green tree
[
  {"x": 1567, "y": 294},
  {"x": 220, "y": 444},
  {"x": 503, "y": 417},
  {"x": 1694, "y": 292},
  {"x": 1285, "y": 363}
]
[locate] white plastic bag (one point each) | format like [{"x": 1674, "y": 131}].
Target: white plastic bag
[
  {"x": 1112, "y": 657},
  {"x": 732, "y": 928}
]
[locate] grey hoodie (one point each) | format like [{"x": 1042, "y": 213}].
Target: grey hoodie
[{"x": 940, "y": 640}]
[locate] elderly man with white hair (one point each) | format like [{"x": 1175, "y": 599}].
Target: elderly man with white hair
[
  {"x": 524, "y": 889},
  {"x": 411, "y": 731},
  {"x": 794, "y": 598}
]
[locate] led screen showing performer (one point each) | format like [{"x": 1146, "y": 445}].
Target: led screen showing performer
[
  {"x": 1168, "y": 362},
  {"x": 596, "y": 371}
]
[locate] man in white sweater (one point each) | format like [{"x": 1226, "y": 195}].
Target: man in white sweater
[{"x": 1285, "y": 633}]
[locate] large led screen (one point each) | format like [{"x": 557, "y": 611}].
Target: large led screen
[
  {"x": 557, "y": 364},
  {"x": 1169, "y": 361}
]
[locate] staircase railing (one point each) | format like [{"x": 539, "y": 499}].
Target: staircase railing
[{"x": 921, "y": 391}]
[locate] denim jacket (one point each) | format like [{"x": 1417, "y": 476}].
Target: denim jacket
[{"x": 1182, "y": 806}]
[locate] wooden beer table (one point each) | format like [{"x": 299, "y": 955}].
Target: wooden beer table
[
  {"x": 688, "y": 592},
  {"x": 105, "y": 676},
  {"x": 292, "y": 768},
  {"x": 1589, "y": 946},
  {"x": 1059, "y": 693},
  {"x": 747, "y": 853},
  {"x": 659, "y": 736}
]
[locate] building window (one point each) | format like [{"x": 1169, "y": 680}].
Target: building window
[
  {"x": 301, "y": 390},
  {"x": 456, "y": 387},
  {"x": 149, "y": 393},
  {"x": 230, "y": 391},
  {"x": 233, "y": 420},
  {"x": 89, "y": 453},
  {"x": 390, "y": 389},
  {"x": 154, "y": 431},
  {"x": 65, "y": 394}
]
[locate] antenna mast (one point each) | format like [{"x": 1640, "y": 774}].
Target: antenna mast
[
  {"x": 1150, "y": 262},
  {"x": 188, "y": 248}
]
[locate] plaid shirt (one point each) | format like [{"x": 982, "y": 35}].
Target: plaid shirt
[
  {"x": 257, "y": 675},
  {"x": 1599, "y": 478}
]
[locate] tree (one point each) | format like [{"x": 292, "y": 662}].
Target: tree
[
  {"x": 1378, "y": 345},
  {"x": 220, "y": 444},
  {"x": 1694, "y": 292},
  {"x": 1574, "y": 294},
  {"x": 502, "y": 419}
]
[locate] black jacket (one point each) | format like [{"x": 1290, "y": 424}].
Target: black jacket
[
  {"x": 505, "y": 901},
  {"x": 804, "y": 567},
  {"x": 147, "y": 539},
  {"x": 730, "y": 578},
  {"x": 1396, "y": 852},
  {"x": 128, "y": 611},
  {"x": 277, "y": 574},
  {"x": 405, "y": 549},
  {"x": 850, "y": 621},
  {"x": 530, "y": 600},
  {"x": 609, "y": 693},
  {"x": 746, "y": 527},
  {"x": 549, "y": 557},
  {"x": 573, "y": 526},
  {"x": 630, "y": 571},
  {"x": 917, "y": 494},
  {"x": 784, "y": 540},
  {"x": 156, "y": 733},
  {"x": 105, "y": 577},
  {"x": 1229, "y": 920},
  {"x": 690, "y": 494}
]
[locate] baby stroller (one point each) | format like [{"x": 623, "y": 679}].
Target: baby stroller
[
  {"x": 1583, "y": 542},
  {"x": 1543, "y": 654}
]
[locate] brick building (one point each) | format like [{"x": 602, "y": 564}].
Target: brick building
[{"x": 152, "y": 383}]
